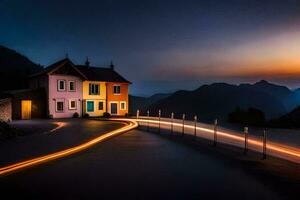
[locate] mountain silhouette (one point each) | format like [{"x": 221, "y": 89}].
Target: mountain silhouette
[
  {"x": 289, "y": 120},
  {"x": 15, "y": 69},
  {"x": 219, "y": 99},
  {"x": 282, "y": 93},
  {"x": 142, "y": 103}
]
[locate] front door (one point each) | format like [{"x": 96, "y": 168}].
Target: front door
[
  {"x": 114, "y": 108},
  {"x": 26, "y": 109},
  {"x": 90, "y": 106}
]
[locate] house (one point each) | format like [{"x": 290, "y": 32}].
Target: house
[
  {"x": 104, "y": 90},
  {"x": 62, "y": 82},
  {"x": 81, "y": 89}
]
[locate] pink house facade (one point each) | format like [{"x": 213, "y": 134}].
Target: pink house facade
[
  {"x": 62, "y": 83},
  {"x": 65, "y": 93}
]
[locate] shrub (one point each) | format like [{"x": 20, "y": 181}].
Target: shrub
[
  {"x": 6, "y": 131},
  {"x": 106, "y": 115},
  {"x": 75, "y": 115},
  {"x": 86, "y": 115},
  {"x": 252, "y": 116},
  {"x": 50, "y": 116}
]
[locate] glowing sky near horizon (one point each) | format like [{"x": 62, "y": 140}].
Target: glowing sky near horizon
[{"x": 166, "y": 45}]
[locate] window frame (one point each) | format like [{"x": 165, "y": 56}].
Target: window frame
[
  {"x": 114, "y": 92},
  {"x": 70, "y": 104},
  {"x": 58, "y": 85},
  {"x": 92, "y": 86},
  {"x": 63, "y": 106},
  {"x": 102, "y": 105},
  {"x": 125, "y": 105},
  {"x": 69, "y": 86}
]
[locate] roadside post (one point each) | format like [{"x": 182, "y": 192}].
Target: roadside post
[
  {"x": 159, "y": 115},
  {"x": 183, "y": 118},
  {"x": 137, "y": 115},
  {"x": 172, "y": 119},
  {"x": 195, "y": 130},
  {"x": 148, "y": 114},
  {"x": 246, "y": 130},
  {"x": 215, "y": 131},
  {"x": 265, "y": 145}
]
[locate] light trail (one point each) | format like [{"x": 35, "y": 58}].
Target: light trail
[
  {"x": 59, "y": 125},
  {"x": 131, "y": 124},
  {"x": 274, "y": 149}
]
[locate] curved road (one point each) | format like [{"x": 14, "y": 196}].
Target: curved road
[{"x": 139, "y": 165}]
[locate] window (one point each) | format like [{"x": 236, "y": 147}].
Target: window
[
  {"x": 123, "y": 105},
  {"x": 60, "y": 106},
  {"x": 61, "y": 86},
  {"x": 72, "y": 86},
  {"x": 94, "y": 89},
  {"x": 72, "y": 105},
  {"x": 90, "y": 106},
  {"x": 100, "y": 105},
  {"x": 117, "y": 89}
]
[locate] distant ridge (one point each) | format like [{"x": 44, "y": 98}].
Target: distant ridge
[
  {"x": 219, "y": 99},
  {"x": 142, "y": 103},
  {"x": 15, "y": 69},
  {"x": 289, "y": 120}
]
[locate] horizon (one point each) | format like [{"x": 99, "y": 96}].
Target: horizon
[
  {"x": 196, "y": 87},
  {"x": 162, "y": 46}
]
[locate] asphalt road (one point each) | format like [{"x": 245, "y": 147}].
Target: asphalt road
[
  {"x": 40, "y": 139},
  {"x": 139, "y": 165}
]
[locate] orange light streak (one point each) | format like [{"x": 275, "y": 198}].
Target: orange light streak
[
  {"x": 59, "y": 125},
  {"x": 274, "y": 149},
  {"x": 131, "y": 124}
]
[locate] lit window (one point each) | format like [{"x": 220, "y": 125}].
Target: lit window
[
  {"x": 72, "y": 104},
  {"x": 123, "y": 105},
  {"x": 100, "y": 105},
  {"x": 72, "y": 86},
  {"x": 59, "y": 106},
  {"x": 117, "y": 89},
  {"x": 61, "y": 85},
  {"x": 94, "y": 89}
]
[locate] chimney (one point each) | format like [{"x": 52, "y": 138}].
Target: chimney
[
  {"x": 87, "y": 62},
  {"x": 111, "y": 65}
]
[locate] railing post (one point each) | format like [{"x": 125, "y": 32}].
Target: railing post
[
  {"x": 183, "y": 118},
  {"x": 195, "y": 130},
  {"x": 246, "y": 140},
  {"x": 137, "y": 115},
  {"x": 172, "y": 119},
  {"x": 159, "y": 115},
  {"x": 265, "y": 145},
  {"x": 215, "y": 131},
  {"x": 148, "y": 114}
]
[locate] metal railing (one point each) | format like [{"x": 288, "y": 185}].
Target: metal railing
[{"x": 216, "y": 134}]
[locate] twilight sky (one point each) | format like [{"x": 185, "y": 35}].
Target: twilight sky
[{"x": 162, "y": 45}]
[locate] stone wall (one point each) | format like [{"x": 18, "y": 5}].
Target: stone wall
[{"x": 5, "y": 110}]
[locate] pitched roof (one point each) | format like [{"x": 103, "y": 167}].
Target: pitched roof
[
  {"x": 101, "y": 74},
  {"x": 87, "y": 72},
  {"x": 56, "y": 66}
]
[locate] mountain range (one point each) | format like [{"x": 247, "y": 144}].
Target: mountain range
[
  {"x": 15, "y": 69},
  {"x": 219, "y": 99},
  {"x": 136, "y": 102}
]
